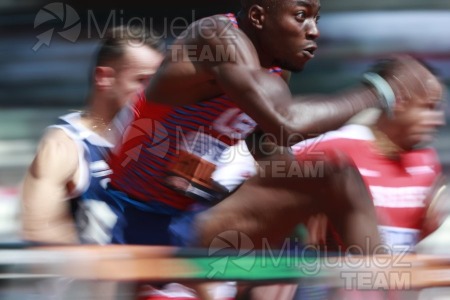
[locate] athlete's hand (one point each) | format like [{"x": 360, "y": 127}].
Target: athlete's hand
[{"x": 409, "y": 80}]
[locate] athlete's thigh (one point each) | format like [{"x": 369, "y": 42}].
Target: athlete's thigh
[{"x": 267, "y": 207}]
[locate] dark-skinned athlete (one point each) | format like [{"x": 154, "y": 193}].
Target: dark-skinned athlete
[{"x": 222, "y": 79}]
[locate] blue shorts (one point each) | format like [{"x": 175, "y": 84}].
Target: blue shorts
[{"x": 155, "y": 223}]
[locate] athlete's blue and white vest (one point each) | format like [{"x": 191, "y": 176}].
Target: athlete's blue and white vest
[{"x": 93, "y": 217}]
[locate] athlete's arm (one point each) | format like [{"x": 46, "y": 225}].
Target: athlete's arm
[
  {"x": 45, "y": 211},
  {"x": 267, "y": 98},
  {"x": 213, "y": 58}
]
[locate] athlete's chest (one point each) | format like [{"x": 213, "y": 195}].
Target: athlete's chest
[
  {"x": 415, "y": 169},
  {"x": 399, "y": 188}
]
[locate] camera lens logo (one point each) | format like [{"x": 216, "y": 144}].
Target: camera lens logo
[
  {"x": 158, "y": 142},
  {"x": 62, "y": 18},
  {"x": 237, "y": 249}
]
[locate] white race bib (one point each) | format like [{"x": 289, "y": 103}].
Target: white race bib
[{"x": 399, "y": 239}]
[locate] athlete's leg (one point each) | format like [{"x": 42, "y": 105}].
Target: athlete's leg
[{"x": 268, "y": 206}]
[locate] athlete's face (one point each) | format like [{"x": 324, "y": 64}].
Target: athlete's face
[
  {"x": 290, "y": 31},
  {"x": 133, "y": 72},
  {"x": 418, "y": 120}
]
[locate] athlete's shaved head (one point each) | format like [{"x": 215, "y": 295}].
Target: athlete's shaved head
[{"x": 284, "y": 32}]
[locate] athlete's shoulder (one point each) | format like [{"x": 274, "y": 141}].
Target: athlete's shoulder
[
  {"x": 68, "y": 124},
  {"x": 210, "y": 24},
  {"x": 57, "y": 136},
  {"x": 57, "y": 155},
  {"x": 61, "y": 141},
  {"x": 64, "y": 135},
  {"x": 216, "y": 30}
]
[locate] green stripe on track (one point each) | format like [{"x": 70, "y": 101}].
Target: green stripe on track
[{"x": 253, "y": 268}]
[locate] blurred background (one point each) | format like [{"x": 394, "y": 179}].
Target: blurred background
[{"x": 46, "y": 49}]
